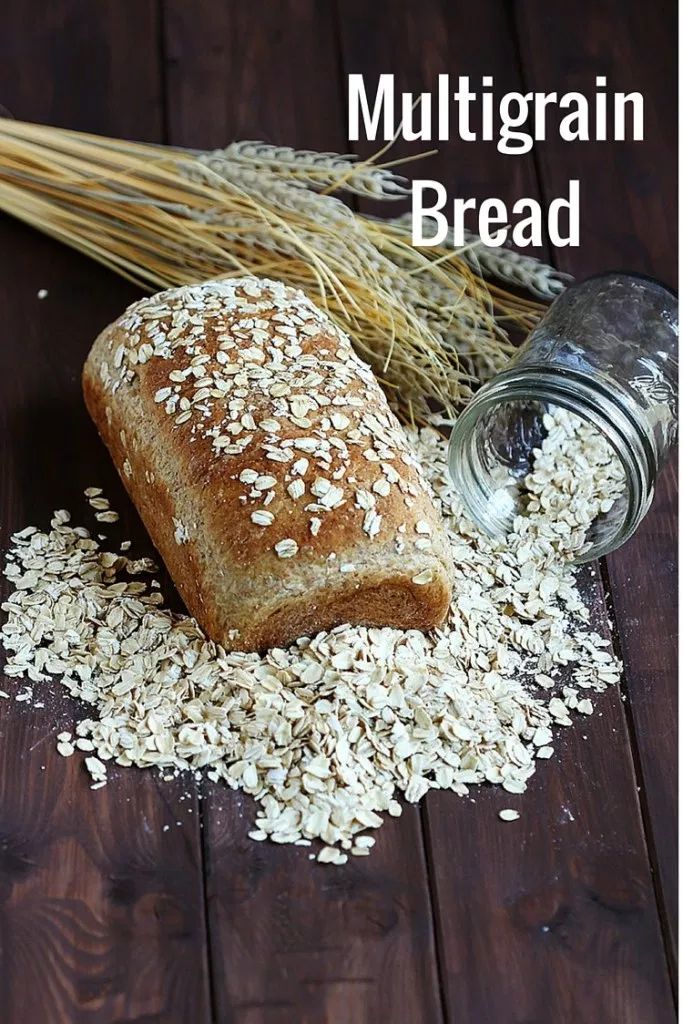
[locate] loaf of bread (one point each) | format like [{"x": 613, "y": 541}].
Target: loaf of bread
[{"x": 266, "y": 465}]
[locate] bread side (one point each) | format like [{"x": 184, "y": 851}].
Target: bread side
[{"x": 266, "y": 465}]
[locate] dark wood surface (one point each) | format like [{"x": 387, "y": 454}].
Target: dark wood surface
[
  {"x": 567, "y": 916},
  {"x": 629, "y": 222}
]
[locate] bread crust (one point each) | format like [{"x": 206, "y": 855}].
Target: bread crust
[{"x": 219, "y": 403}]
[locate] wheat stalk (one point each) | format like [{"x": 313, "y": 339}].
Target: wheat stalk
[
  {"x": 426, "y": 320},
  {"x": 307, "y": 168}
]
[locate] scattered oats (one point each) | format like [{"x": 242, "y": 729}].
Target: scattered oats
[
  {"x": 372, "y": 523},
  {"x": 42, "y": 293},
  {"x": 328, "y": 855},
  {"x": 333, "y": 497},
  {"x": 508, "y": 814},
  {"x": 426, "y": 576},
  {"x": 365, "y": 500},
  {"x": 180, "y": 533},
  {"x": 542, "y": 736},
  {"x": 96, "y": 768},
  {"x": 544, "y": 680},
  {"x": 296, "y": 489},
  {"x": 265, "y": 482},
  {"x": 286, "y": 548},
  {"x": 365, "y": 842},
  {"x": 513, "y": 785},
  {"x": 262, "y": 517},
  {"x": 107, "y": 517},
  {"x": 329, "y": 733},
  {"x": 320, "y": 486}
]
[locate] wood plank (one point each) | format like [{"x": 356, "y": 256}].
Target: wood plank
[
  {"x": 293, "y": 940},
  {"x": 102, "y": 915},
  {"x": 628, "y": 201},
  {"x": 66, "y": 64},
  {"x": 561, "y": 904},
  {"x": 249, "y": 71},
  {"x": 290, "y": 940},
  {"x": 643, "y": 578}
]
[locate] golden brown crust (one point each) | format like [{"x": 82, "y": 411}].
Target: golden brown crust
[{"x": 183, "y": 381}]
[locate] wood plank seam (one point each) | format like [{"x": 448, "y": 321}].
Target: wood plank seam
[
  {"x": 433, "y": 900},
  {"x": 625, "y": 707},
  {"x": 203, "y": 845},
  {"x": 424, "y": 835},
  {"x": 200, "y": 787},
  {"x": 641, "y": 788},
  {"x": 535, "y": 915},
  {"x": 249, "y": 909}
]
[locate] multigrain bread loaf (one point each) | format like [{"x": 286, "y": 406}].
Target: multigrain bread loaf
[{"x": 266, "y": 465}]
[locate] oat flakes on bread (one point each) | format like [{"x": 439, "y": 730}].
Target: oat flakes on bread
[{"x": 266, "y": 464}]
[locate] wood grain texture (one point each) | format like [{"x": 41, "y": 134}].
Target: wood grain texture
[
  {"x": 102, "y": 912},
  {"x": 538, "y": 896},
  {"x": 294, "y": 941},
  {"x": 455, "y": 916},
  {"x": 253, "y": 70},
  {"x": 628, "y": 203},
  {"x": 291, "y": 941},
  {"x": 93, "y": 68},
  {"x": 560, "y": 904}
]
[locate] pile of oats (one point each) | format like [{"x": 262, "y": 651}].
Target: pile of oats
[{"x": 328, "y": 734}]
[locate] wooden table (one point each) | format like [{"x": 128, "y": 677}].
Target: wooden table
[{"x": 568, "y": 915}]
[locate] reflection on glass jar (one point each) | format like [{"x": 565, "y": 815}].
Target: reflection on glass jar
[{"x": 607, "y": 353}]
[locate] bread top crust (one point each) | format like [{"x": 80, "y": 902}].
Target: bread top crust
[{"x": 273, "y": 416}]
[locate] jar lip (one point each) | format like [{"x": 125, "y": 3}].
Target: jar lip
[
  {"x": 587, "y": 397},
  {"x": 634, "y": 274}
]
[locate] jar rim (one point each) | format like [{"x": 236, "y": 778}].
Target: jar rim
[
  {"x": 634, "y": 274},
  {"x": 585, "y": 396}
]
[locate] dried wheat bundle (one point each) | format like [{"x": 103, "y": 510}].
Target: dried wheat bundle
[
  {"x": 306, "y": 168},
  {"x": 426, "y": 320}
]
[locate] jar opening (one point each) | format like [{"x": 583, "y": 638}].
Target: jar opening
[{"x": 520, "y": 438}]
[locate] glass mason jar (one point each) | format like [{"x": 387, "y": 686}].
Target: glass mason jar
[{"x": 607, "y": 350}]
